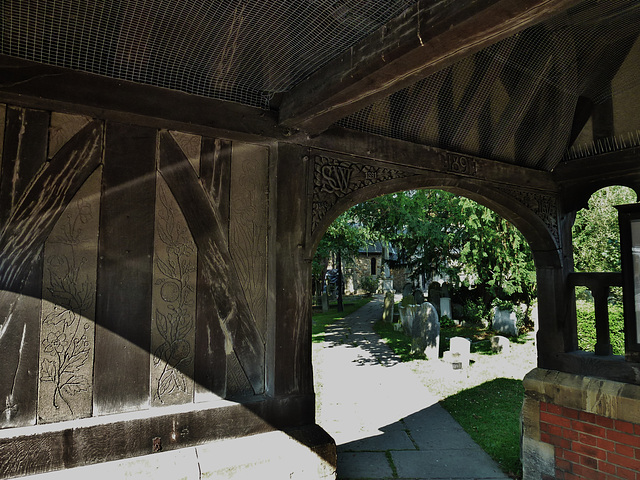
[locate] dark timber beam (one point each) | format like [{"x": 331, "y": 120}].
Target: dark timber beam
[{"x": 424, "y": 39}]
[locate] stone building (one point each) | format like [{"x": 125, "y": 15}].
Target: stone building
[{"x": 168, "y": 169}]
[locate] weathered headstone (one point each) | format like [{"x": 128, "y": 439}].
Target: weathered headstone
[
  {"x": 407, "y": 315},
  {"x": 445, "y": 307},
  {"x": 418, "y": 297},
  {"x": 500, "y": 344},
  {"x": 387, "y": 313},
  {"x": 325, "y": 302},
  {"x": 407, "y": 290},
  {"x": 504, "y": 321},
  {"x": 425, "y": 331}
]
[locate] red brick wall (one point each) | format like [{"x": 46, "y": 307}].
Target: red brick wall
[{"x": 589, "y": 446}]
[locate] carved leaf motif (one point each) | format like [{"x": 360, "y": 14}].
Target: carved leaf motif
[
  {"x": 77, "y": 385},
  {"x": 49, "y": 369}
]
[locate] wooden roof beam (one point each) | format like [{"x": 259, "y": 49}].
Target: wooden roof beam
[{"x": 424, "y": 39}]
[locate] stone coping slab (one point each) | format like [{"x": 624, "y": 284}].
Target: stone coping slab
[{"x": 616, "y": 400}]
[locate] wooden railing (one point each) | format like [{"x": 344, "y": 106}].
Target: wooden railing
[{"x": 600, "y": 285}]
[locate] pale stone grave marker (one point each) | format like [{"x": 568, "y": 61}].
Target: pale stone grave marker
[
  {"x": 445, "y": 307},
  {"x": 504, "y": 321},
  {"x": 418, "y": 297},
  {"x": 500, "y": 344},
  {"x": 387, "y": 313}
]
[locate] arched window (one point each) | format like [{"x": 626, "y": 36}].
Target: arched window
[{"x": 373, "y": 265}]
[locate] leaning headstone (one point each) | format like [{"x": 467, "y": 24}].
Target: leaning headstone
[
  {"x": 425, "y": 331},
  {"x": 325, "y": 302},
  {"x": 445, "y": 307},
  {"x": 418, "y": 297},
  {"x": 500, "y": 344},
  {"x": 387, "y": 313},
  {"x": 460, "y": 355},
  {"x": 407, "y": 290},
  {"x": 504, "y": 321}
]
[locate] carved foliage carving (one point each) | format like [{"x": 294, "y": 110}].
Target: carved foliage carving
[
  {"x": 544, "y": 206},
  {"x": 68, "y": 309},
  {"x": 334, "y": 179},
  {"x": 173, "y": 298}
]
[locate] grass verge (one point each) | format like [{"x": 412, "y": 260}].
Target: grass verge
[
  {"x": 490, "y": 414},
  {"x": 321, "y": 320}
]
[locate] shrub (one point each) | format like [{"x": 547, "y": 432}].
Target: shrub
[
  {"x": 369, "y": 284},
  {"x": 446, "y": 322},
  {"x": 587, "y": 327}
]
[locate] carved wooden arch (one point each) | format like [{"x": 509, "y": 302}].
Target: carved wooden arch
[{"x": 533, "y": 212}]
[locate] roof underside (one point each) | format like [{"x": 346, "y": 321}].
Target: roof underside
[{"x": 563, "y": 87}]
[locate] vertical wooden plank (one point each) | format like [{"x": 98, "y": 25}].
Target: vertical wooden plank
[
  {"x": 174, "y": 304},
  {"x": 291, "y": 347},
  {"x": 25, "y": 151},
  {"x": 215, "y": 173},
  {"x": 248, "y": 224},
  {"x": 211, "y": 346},
  {"x": 3, "y": 117},
  {"x": 125, "y": 270},
  {"x": 68, "y": 309}
]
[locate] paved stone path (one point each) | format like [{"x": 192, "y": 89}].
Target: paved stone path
[{"x": 385, "y": 423}]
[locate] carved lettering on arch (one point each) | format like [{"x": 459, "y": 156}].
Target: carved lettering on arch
[
  {"x": 460, "y": 164},
  {"x": 334, "y": 179},
  {"x": 543, "y": 205}
]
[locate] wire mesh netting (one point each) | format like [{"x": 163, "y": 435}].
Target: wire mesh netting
[
  {"x": 515, "y": 101},
  {"x": 243, "y": 50}
]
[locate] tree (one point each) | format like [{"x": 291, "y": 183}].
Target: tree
[
  {"x": 341, "y": 241},
  {"x": 596, "y": 235}
]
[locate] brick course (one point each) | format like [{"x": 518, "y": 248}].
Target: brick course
[{"x": 590, "y": 446}]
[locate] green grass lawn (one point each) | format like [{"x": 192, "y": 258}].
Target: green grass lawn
[
  {"x": 490, "y": 414},
  {"x": 321, "y": 320}
]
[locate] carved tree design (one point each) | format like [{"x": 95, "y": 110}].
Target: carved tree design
[
  {"x": 66, "y": 352},
  {"x": 174, "y": 299}
]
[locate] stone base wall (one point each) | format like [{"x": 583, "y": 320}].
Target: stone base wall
[{"x": 577, "y": 427}]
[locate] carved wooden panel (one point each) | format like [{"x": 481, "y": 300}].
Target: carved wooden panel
[
  {"x": 248, "y": 224},
  {"x": 3, "y": 115},
  {"x": 174, "y": 304},
  {"x": 544, "y": 206},
  {"x": 218, "y": 278},
  {"x": 190, "y": 146},
  {"x": 31, "y": 209},
  {"x": 215, "y": 173},
  {"x": 63, "y": 127},
  {"x": 334, "y": 178},
  {"x": 68, "y": 309}
]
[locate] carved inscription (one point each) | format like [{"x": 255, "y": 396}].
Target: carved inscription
[
  {"x": 334, "y": 179},
  {"x": 68, "y": 309},
  {"x": 460, "y": 164},
  {"x": 173, "y": 298}
]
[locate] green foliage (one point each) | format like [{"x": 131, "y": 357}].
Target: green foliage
[
  {"x": 587, "y": 327},
  {"x": 490, "y": 414},
  {"x": 474, "y": 311},
  {"x": 446, "y": 322},
  {"x": 436, "y": 232},
  {"x": 596, "y": 236},
  {"x": 369, "y": 284}
]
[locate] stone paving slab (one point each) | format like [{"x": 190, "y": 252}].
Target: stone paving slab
[
  {"x": 441, "y": 464},
  {"x": 392, "y": 440},
  {"x": 360, "y": 465}
]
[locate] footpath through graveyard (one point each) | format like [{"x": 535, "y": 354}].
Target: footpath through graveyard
[{"x": 385, "y": 423}]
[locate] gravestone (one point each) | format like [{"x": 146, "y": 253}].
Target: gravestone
[
  {"x": 460, "y": 349},
  {"x": 418, "y": 297},
  {"x": 325, "y": 302},
  {"x": 407, "y": 314},
  {"x": 425, "y": 331},
  {"x": 407, "y": 290},
  {"x": 433, "y": 295},
  {"x": 445, "y": 307},
  {"x": 500, "y": 344},
  {"x": 387, "y": 313},
  {"x": 504, "y": 321}
]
